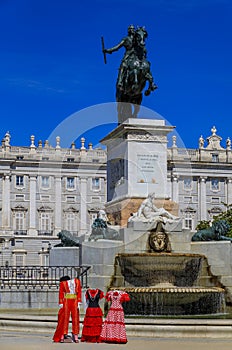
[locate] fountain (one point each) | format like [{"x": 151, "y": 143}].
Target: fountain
[
  {"x": 154, "y": 265},
  {"x": 166, "y": 284}
]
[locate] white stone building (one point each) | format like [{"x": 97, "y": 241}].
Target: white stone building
[
  {"x": 45, "y": 189},
  {"x": 201, "y": 179}
]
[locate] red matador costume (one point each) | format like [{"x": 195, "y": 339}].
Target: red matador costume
[
  {"x": 59, "y": 328},
  {"x": 69, "y": 298}
]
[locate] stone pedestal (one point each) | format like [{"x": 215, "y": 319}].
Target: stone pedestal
[
  {"x": 137, "y": 232},
  {"x": 100, "y": 255},
  {"x": 219, "y": 256},
  {"x": 64, "y": 256},
  {"x": 136, "y": 166}
]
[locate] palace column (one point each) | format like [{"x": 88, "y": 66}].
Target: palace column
[
  {"x": 229, "y": 191},
  {"x": 175, "y": 188},
  {"x": 6, "y": 202},
  {"x": 32, "y": 211},
  {"x": 83, "y": 205},
  {"x": 58, "y": 206},
  {"x": 202, "y": 198}
]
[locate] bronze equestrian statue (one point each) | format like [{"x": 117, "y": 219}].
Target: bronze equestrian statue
[{"x": 134, "y": 73}]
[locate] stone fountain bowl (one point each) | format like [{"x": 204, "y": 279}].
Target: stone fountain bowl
[
  {"x": 150, "y": 269},
  {"x": 165, "y": 284},
  {"x": 183, "y": 295},
  {"x": 173, "y": 300}
]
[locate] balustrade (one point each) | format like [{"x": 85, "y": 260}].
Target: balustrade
[{"x": 40, "y": 277}]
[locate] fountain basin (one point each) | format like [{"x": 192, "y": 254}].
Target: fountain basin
[
  {"x": 166, "y": 284},
  {"x": 150, "y": 269},
  {"x": 152, "y": 301}
]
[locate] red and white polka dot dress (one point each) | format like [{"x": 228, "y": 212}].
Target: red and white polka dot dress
[{"x": 113, "y": 328}]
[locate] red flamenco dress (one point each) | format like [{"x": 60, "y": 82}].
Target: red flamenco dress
[
  {"x": 92, "y": 323},
  {"x": 113, "y": 329}
]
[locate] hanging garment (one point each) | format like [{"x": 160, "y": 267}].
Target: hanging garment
[
  {"x": 92, "y": 323},
  {"x": 69, "y": 298},
  {"x": 113, "y": 328}
]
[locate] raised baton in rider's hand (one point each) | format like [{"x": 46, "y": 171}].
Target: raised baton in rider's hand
[{"x": 103, "y": 49}]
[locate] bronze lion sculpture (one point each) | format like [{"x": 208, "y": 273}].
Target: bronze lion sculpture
[
  {"x": 217, "y": 232},
  {"x": 67, "y": 239}
]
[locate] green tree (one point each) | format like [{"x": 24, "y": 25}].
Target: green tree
[
  {"x": 227, "y": 216},
  {"x": 202, "y": 225}
]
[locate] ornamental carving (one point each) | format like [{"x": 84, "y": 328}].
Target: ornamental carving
[
  {"x": 143, "y": 136},
  {"x": 158, "y": 241}
]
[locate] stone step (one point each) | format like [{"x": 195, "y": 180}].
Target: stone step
[{"x": 142, "y": 327}]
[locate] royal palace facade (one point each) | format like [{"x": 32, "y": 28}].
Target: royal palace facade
[{"x": 45, "y": 189}]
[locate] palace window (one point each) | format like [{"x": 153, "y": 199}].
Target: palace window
[
  {"x": 45, "y": 224},
  {"x": 188, "y": 215},
  {"x": 215, "y": 158},
  {"x": 188, "y": 221},
  {"x": 215, "y": 185},
  {"x": 95, "y": 184},
  {"x": 70, "y": 184},
  {"x": 19, "y": 180},
  {"x": 45, "y": 181},
  {"x": 19, "y": 217},
  {"x": 19, "y": 261},
  {"x": 19, "y": 221},
  {"x": 45, "y": 221},
  {"x": 70, "y": 221},
  {"x": 187, "y": 183}
]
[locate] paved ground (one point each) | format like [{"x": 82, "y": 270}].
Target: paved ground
[{"x": 27, "y": 341}]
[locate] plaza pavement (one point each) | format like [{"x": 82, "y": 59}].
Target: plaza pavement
[
  {"x": 29, "y": 341},
  {"x": 31, "y": 331}
]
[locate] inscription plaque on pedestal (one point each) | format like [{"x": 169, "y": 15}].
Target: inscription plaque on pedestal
[{"x": 147, "y": 168}]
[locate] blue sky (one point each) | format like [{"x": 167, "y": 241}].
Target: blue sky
[{"x": 51, "y": 64}]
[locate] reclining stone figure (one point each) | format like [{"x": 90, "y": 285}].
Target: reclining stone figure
[{"x": 148, "y": 212}]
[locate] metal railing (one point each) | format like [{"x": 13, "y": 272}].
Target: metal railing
[
  {"x": 20, "y": 232},
  {"x": 40, "y": 277},
  {"x": 45, "y": 232}
]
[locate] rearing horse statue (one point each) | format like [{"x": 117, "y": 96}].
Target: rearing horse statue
[{"x": 134, "y": 73}]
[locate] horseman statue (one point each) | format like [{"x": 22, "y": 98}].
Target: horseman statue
[{"x": 134, "y": 72}]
